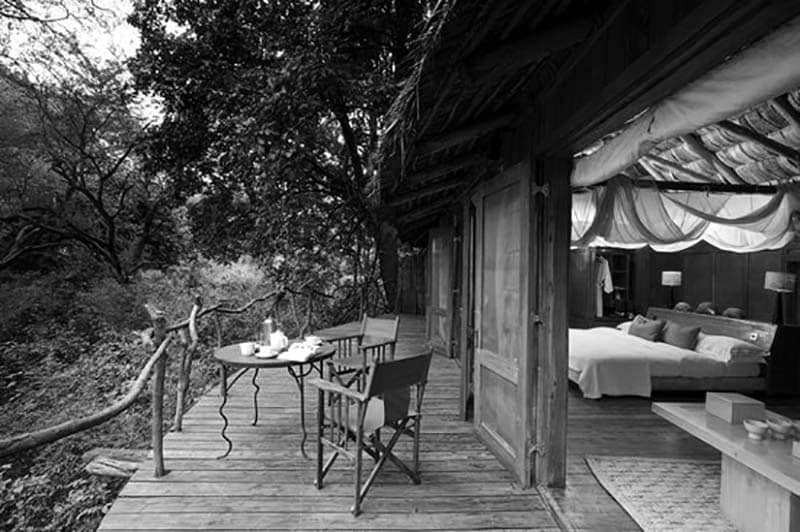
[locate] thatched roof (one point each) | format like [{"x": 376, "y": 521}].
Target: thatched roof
[
  {"x": 479, "y": 62},
  {"x": 474, "y": 59}
]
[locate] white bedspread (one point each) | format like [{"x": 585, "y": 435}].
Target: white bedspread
[{"x": 611, "y": 362}]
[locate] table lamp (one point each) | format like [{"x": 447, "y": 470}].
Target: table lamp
[
  {"x": 671, "y": 279},
  {"x": 781, "y": 283}
]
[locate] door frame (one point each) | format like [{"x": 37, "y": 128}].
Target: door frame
[
  {"x": 447, "y": 233},
  {"x": 466, "y": 322},
  {"x": 515, "y": 455},
  {"x": 545, "y": 363}
]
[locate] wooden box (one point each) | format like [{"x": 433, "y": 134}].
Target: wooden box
[{"x": 734, "y": 407}]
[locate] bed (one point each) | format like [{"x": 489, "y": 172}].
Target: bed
[{"x": 607, "y": 361}]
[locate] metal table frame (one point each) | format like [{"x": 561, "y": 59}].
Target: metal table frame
[{"x": 297, "y": 370}]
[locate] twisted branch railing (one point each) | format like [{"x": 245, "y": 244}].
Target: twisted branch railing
[{"x": 159, "y": 339}]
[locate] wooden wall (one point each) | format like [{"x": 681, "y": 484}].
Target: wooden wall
[
  {"x": 709, "y": 274},
  {"x": 411, "y": 282}
]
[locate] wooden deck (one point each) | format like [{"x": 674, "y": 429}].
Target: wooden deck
[{"x": 266, "y": 484}]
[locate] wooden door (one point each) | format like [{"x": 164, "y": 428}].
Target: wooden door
[
  {"x": 467, "y": 309},
  {"x": 503, "y": 386},
  {"x": 440, "y": 289}
]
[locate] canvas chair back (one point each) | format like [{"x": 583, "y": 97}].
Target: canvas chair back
[
  {"x": 380, "y": 328},
  {"x": 393, "y": 381}
]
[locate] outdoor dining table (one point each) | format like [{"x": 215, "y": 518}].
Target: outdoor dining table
[{"x": 230, "y": 356}]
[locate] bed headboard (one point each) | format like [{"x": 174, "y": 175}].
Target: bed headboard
[{"x": 755, "y": 332}]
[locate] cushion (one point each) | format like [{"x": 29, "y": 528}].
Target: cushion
[
  {"x": 624, "y": 326},
  {"x": 682, "y": 306},
  {"x": 646, "y": 328},
  {"x": 707, "y": 307},
  {"x": 727, "y": 349},
  {"x": 734, "y": 312},
  {"x": 684, "y": 336}
]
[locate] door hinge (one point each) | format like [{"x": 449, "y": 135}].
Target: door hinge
[
  {"x": 544, "y": 190},
  {"x": 536, "y": 449}
]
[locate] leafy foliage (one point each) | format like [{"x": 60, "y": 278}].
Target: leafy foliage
[
  {"x": 66, "y": 350},
  {"x": 70, "y": 175},
  {"x": 272, "y": 117}
]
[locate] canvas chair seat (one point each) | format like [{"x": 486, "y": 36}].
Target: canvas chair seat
[
  {"x": 373, "y": 419},
  {"x": 391, "y": 397},
  {"x": 383, "y": 411}
]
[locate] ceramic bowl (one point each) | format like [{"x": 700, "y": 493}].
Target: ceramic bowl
[
  {"x": 755, "y": 428},
  {"x": 781, "y": 428}
]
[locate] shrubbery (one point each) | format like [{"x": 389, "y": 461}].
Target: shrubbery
[{"x": 67, "y": 349}]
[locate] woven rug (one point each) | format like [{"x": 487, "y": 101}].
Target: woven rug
[{"x": 663, "y": 494}]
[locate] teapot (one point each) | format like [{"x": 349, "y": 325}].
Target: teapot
[{"x": 278, "y": 340}]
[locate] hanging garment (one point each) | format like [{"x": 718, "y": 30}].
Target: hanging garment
[{"x": 603, "y": 283}]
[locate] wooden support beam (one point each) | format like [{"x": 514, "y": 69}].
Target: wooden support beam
[
  {"x": 678, "y": 168},
  {"x": 695, "y": 144},
  {"x": 512, "y": 56},
  {"x": 787, "y": 111},
  {"x": 702, "y": 187},
  {"x": 654, "y": 172},
  {"x": 521, "y": 13},
  {"x": 430, "y": 210},
  {"x": 462, "y": 135},
  {"x": 433, "y": 172},
  {"x": 753, "y": 136},
  {"x": 548, "y": 320},
  {"x": 599, "y": 30},
  {"x": 434, "y": 188}
]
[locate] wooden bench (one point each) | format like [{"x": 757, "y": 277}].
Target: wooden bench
[{"x": 760, "y": 479}]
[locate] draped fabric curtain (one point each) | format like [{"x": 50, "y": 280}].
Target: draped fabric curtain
[{"x": 624, "y": 216}]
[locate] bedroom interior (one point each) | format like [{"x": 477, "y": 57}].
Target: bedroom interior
[{"x": 677, "y": 154}]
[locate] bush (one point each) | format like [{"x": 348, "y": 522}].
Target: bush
[{"x": 67, "y": 350}]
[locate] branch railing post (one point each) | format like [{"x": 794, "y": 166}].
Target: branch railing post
[
  {"x": 158, "y": 340},
  {"x": 159, "y": 370},
  {"x": 189, "y": 341}
]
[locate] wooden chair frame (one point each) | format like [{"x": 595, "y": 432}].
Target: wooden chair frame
[
  {"x": 355, "y": 352},
  {"x": 392, "y": 381}
]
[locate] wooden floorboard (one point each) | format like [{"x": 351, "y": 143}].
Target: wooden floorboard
[
  {"x": 266, "y": 484},
  {"x": 623, "y": 427}
]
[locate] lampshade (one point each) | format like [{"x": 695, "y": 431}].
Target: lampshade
[
  {"x": 779, "y": 281},
  {"x": 671, "y": 278}
]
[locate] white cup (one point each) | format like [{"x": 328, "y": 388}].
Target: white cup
[{"x": 247, "y": 348}]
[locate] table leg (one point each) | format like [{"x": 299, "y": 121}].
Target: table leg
[
  {"x": 255, "y": 397},
  {"x": 224, "y": 386},
  {"x": 299, "y": 377},
  {"x": 754, "y": 503},
  {"x": 223, "y": 373}
]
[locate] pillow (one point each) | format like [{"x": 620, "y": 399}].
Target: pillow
[
  {"x": 707, "y": 307},
  {"x": 684, "y": 336},
  {"x": 624, "y": 326},
  {"x": 727, "y": 349},
  {"x": 682, "y": 306},
  {"x": 734, "y": 312},
  {"x": 646, "y": 328}
]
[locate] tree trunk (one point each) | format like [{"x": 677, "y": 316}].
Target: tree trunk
[{"x": 389, "y": 262}]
